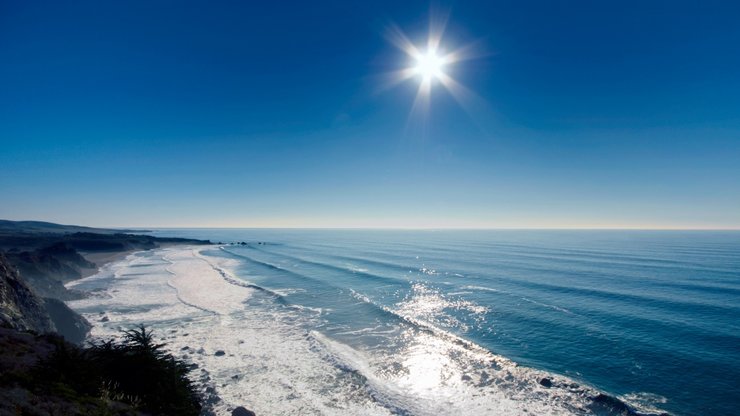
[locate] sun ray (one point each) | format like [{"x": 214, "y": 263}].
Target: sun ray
[
  {"x": 423, "y": 95},
  {"x": 462, "y": 94},
  {"x": 466, "y": 53},
  {"x": 420, "y": 108},
  {"x": 474, "y": 105},
  {"x": 395, "y": 35},
  {"x": 391, "y": 79},
  {"x": 437, "y": 25}
]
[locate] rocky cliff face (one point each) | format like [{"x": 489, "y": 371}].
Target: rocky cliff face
[
  {"x": 71, "y": 325},
  {"x": 20, "y": 307},
  {"x": 46, "y": 269}
]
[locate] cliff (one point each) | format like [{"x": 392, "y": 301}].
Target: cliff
[
  {"x": 46, "y": 269},
  {"x": 20, "y": 307},
  {"x": 68, "y": 323},
  {"x": 23, "y": 310},
  {"x": 48, "y": 255}
]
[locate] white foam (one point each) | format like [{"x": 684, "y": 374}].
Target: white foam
[
  {"x": 431, "y": 376},
  {"x": 483, "y": 288},
  {"x": 547, "y": 305},
  {"x": 270, "y": 364},
  {"x": 645, "y": 402},
  {"x": 200, "y": 285}
]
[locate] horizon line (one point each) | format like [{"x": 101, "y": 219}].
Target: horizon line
[
  {"x": 436, "y": 228},
  {"x": 420, "y": 228}
]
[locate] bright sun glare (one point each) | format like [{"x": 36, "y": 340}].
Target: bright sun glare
[{"x": 429, "y": 65}]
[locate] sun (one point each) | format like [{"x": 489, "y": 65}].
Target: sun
[
  {"x": 432, "y": 65},
  {"x": 429, "y": 65}
]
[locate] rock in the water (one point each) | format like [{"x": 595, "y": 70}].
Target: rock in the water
[
  {"x": 546, "y": 382},
  {"x": 611, "y": 404},
  {"x": 241, "y": 411},
  {"x": 104, "y": 319},
  {"x": 219, "y": 353}
]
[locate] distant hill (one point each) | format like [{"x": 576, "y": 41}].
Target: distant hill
[
  {"x": 36, "y": 260},
  {"x": 47, "y": 255},
  {"x": 7, "y": 226}
]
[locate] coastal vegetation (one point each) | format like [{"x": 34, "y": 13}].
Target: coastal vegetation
[{"x": 131, "y": 375}]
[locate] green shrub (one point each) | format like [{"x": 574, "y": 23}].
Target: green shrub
[{"x": 135, "y": 370}]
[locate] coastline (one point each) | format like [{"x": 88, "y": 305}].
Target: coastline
[
  {"x": 101, "y": 260},
  {"x": 244, "y": 352},
  {"x": 203, "y": 317}
]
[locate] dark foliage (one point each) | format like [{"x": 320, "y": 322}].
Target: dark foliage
[{"x": 134, "y": 370}]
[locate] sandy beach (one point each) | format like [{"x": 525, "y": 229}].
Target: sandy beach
[
  {"x": 199, "y": 311},
  {"x": 101, "y": 259}
]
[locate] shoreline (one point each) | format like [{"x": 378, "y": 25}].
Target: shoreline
[
  {"x": 238, "y": 356},
  {"x": 265, "y": 358},
  {"x": 101, "y": 259},
  {"x": 172, "y": 290},
  {"x": 78, "y": 327}
]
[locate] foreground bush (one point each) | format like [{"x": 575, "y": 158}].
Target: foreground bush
[{"x": 134, "y": 370}]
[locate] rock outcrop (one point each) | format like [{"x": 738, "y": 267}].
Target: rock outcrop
[
  {"x": 69, "y": 324},
  {"x": 46, "y": 269},
  {"x": 23, "y": 310},
  {"x": 20, "y": 307},
  {"x": 242, "y": 411}
]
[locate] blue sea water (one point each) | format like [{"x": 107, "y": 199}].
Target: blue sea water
[{"x": 651, "y": 317}]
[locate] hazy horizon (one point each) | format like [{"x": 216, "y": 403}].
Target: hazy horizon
[{"x": 379, "y": 227}]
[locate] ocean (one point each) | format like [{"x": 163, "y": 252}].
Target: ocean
[{"x": 474, "y": 322}]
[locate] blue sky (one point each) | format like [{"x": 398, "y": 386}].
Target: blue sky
[{"x": 590, "y": 114}]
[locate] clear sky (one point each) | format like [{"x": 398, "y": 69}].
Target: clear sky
[{"x": 177, "y": 113}]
